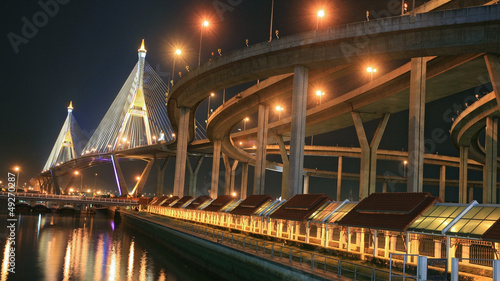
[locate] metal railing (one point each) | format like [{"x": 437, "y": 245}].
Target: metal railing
[
  {"x": 307, "y": 260},
  {"x": 70, "y": 198}
]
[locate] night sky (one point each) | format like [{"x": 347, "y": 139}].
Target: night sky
[{"x": 83, "y": 51}]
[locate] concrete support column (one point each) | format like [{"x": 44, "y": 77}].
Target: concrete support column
[
  {"x": 244, "y": 180},
  {"x": 143, "y": 178},
  {"x": 193, "y": 176},
  {"x": 181, "y": 154},
  {"x": 339, "y": 178},
  {"x": 230, "y": 174},
  {"x": 462, "y": 180},
  {"x": 160, "y": 175},
  {"x": 368, "y": 169},
  {"x": 490, "y": 165},
  {"x": 386, "y": 245},
  {"x": 442, "y": 182},
  {"x": 260, "y": 157},
  {"x": 375, "y": 243},
  {"x": 416, "y": 146},
  {"x": 286, "y": 166},
  {"x": 299, "y": 105},
  {"x": 361, "y": 240},
  {"x": 306, "y": 183},
  {"x": 437, "y": 249},
  {"x": 233, "y": 175},
  {"x": 214, "y": 187},
  {"x": 493, "y": 66},
  {"x": 120, "y": 180}
]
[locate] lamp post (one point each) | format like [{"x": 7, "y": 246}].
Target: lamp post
[
  {"x": 371, "y": 70},
  {"x": 81, "y": 179},
  {"x": 404, "y": 168},
  {"x": 17, "y": 169},
  {"x": 245, "y": 123},
  {"x": 176, "y": 53},
  {"x": 321, "y": 14},
  {"x": 271, "y": 25},
  {"x": 204, "y": 24},
  {"x": 208, "y": 109},
  {"x": 279, "y": 109},
  {"x": 95, "y": 181}
]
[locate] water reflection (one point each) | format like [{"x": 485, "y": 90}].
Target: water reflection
[{"x": 54, "y": 247}]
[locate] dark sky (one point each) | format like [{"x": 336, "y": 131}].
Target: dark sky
[{"x": 83, "y": 51}]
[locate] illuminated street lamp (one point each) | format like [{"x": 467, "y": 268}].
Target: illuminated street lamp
[
  {"x": 279, "y": 109},
  {"x": 371, "y": 70},
  {"x": 95, "y": 180},
  {"x": 404, "y": 168},
  {"x": 320, "y": 94},
  {"x": 177, "y": 52},
  {"x": 208, "y": 110},
  {"x": 17, "y": 169},
  {"x": 81, "y": 179},
  {"x": 245, "y": 123},
  {"x": 203, "y": 25},
  {"x": 320, "y": 15}
]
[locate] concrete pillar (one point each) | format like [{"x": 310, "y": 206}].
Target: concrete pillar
[
  {"x": 386, "y": 245},
  {"x": 442, "y": 182},
  {"x": 422, "y": 268},
  {"x": 339, "y": 178},
  {"x": 306, "y": 183},
  {"x": 299, "y": 105},
  {"x": 462, "y": 180},
  {"x": 244, "y": 180},
  {"x": 227, "y": 174},
  {"x": 348, "y": 246},
  {"x": 181, "y": 154},
  {"x": 260, "y": 154},
  {"x": 493, "y": 66},
  {"x": 143, "y": 178},
  {"x": 490, "y": 166},
  {"x": 368, "y": 169},
  {"x": 193, "y": 176},
  {"x": 214, "y": 187},
  {"x": 160, "y": 175},
  {"x": 437, "y": 249},
  {"x": 120, "y": 180},
  {"x": 286, "y": 166},
  {"x": 361, "y": 240},
  {"x": 416, "y": 146},
  {"x": 375, "y": 243},
  {"x": 233, "y": 175}
]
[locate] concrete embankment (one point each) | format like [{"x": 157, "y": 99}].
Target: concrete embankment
[{"x": 230, "y": 263}]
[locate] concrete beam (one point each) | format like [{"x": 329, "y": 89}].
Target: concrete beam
[
  {"x": 260, "y": 157},
  {"x": 182, "y": 150},
  {"x": 298, "y": 124},
  {"x": 416, "y": 124},
  {"x": 490, "y": 166},
  {"x": 214, "y": 187}
]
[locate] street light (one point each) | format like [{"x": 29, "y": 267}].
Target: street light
[
  {"x": 404, "y": 168},
  {"x": 320, "y": 94},
  {"x": 17, "y": 169},
  {"x": 95, "y": 180},
  {"x": 321, "y": 14},
  {"x": 208, "y": 110},
  {"x": 203, "y": 25},
  {"x": 371, "y": 70},
  {"x": 279, "y": 109},
  {"x": 176, "y": 53},
  {"x": 81, "y": 179},
  {"x": 245, "y": 123}
]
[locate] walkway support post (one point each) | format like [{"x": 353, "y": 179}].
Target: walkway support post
[
  {"x": 339, "y": 178},
  {"x": 462, "y": 181},
  {"x": 416, "y": 124},
  {"x": 260, "y": 157},
  {"x": 299, "y": 105},
  {"x": 490, "y": 165},
  {"x": 181, "y": 155},
  {"x": 214, "y": 187}
]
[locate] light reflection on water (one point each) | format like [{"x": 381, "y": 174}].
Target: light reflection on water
[{"x": 53, "y": 247}]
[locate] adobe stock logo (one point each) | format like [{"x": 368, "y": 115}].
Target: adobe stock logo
[{"x": 29, "y": 30}]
